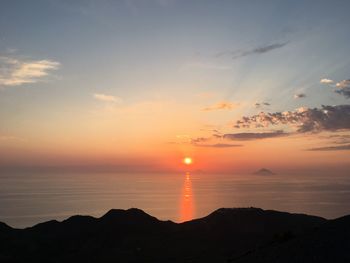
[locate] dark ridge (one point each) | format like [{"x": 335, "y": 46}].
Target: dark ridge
[
  {"x": 48, "y": 225},
  {"x": 226, "y": 235},
  {"x": 80, "y": 219},
  {"x": 131, "y": 212},
  {"x": 252, "y": 225},
  {"x": 259, "y": 215},
  {"x": 4, "y": 227},
  {"x": 127, "y": 218},
  {"x": 240, "y": 210}
]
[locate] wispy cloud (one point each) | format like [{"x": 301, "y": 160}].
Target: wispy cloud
[
  {"x": 261, "y": 104},
  {"x": 246, "y": 136},
  {"x": 332, "y": 148},
  {"x": 340, "y": 138},
  {"x": 264, "y": 49},
  {"x": 107, "y": 98},
  {"x": 221, "y": 106},
  {"x": 254, "y": 51},
  {"x": 214, "y": 141},
  {"x": 299, "y": 96},
  {"x": 200, "y": 140},
  {"x": 219, "y": 145},
  {"x": 15, "y": 72},
  {"x": 326, "y": 81}
]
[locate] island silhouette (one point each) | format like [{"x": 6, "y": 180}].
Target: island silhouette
[
  {"x": 264, "y": 171},
  {"x": 226, "y": 235}
]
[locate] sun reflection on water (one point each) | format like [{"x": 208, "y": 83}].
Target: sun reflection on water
[{"x": 187, "y": 203}]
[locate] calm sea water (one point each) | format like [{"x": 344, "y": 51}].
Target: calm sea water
[{"x": 28, "y": 199}]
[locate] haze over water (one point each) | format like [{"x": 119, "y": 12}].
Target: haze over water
[{"x": 27, "y": 199}]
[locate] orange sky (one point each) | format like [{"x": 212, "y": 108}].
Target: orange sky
[{"x": 138, "y": 89}]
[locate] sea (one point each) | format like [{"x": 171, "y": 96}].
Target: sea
[{"x": 31, "y": 198}]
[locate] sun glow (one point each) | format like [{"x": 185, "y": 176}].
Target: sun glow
[{"x": 187, "y": 161}]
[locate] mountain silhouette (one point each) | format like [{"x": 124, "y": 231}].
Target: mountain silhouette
[{"x": 226, "y": 235}]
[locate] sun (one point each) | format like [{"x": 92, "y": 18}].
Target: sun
[{"x": 187, "y": 160}]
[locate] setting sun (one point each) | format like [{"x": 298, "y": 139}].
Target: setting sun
[{"x": 188, "y": 160}]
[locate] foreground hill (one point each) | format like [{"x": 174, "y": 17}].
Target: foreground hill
[
  {"x": 328, "y": 243},
  {"x": 226, "y": 235}
]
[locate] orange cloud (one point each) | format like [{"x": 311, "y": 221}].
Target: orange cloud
[{"x": 221, "y": 106}]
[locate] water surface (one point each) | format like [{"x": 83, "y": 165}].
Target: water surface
[{"x": 27, "y": 199}]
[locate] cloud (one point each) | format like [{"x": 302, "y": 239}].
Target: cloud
[
  {"x": 205, "y": 142},
  {"x": 332, "y": 148},
  {"x": 344, "y": 88},
  {"x": 340, "y": 138},
  {"x": 199, "y": 140},
  {"x": 106, "y": 98},
  {"x": 15, "y": 72},
  {"x": 261, "y": 104},
  {"x": 343, "y": 84},
  {"x": 219, "y": 145},
  {"x": 299, "y": 96},
  {"x": 326, "y": 81},
  {"x": 246, "y": 136},
  {"x": 221, "y": 106},
  {"x": 264, "y": 49},
  {"x": 326, "y": 118},
  {"x": 254, "y": 51}
]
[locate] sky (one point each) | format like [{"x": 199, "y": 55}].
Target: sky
[{"x": 137, "y": 85}]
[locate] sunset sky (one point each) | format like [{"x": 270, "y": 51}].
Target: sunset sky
[{"x": 139, "y": 85}]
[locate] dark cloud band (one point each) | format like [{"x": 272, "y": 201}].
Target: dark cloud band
[
  {"x": 246, "y": 136},
  {"x": 332, "y": 148}
]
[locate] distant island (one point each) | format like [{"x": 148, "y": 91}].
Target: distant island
[
  {"x": 243, "y": 235},
  {"x": 264, "y": 171}
]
